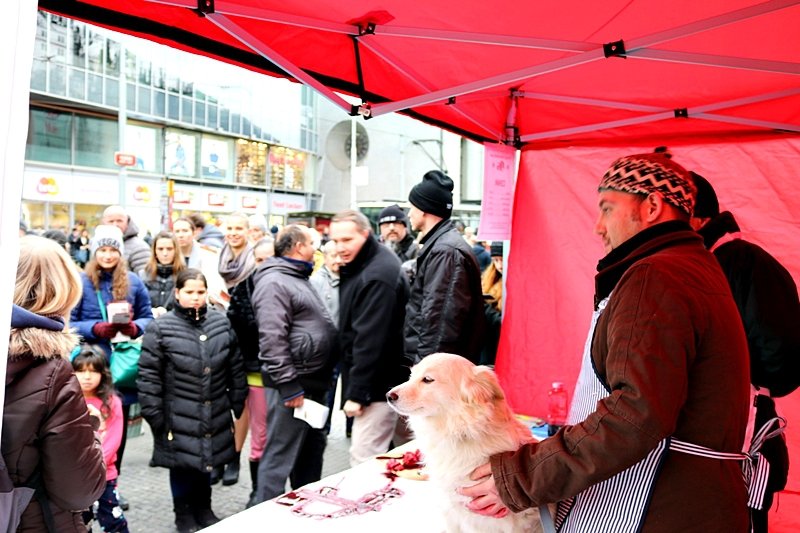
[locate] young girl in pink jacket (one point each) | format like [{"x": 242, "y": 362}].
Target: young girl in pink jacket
[{"x": 94, "y": 377}]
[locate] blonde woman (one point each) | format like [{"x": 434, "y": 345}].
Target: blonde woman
[
  {"x": 46, "y": 426},
  {"x": 492, "y": 287}
]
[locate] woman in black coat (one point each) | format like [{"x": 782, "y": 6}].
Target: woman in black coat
[
  {"x": 190, "y": 378},
  {"x": 166, "y": 262}
]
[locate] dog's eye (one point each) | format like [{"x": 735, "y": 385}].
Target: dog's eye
[{"x": 426, "y": 379}]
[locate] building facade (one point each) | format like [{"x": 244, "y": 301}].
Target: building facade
[{"x": 200, "y": 135}]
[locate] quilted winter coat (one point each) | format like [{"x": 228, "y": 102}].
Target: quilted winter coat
[{"x": 190, "y": 378}]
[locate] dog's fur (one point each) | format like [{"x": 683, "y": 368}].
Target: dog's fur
[{"x": 460, "y": 418}]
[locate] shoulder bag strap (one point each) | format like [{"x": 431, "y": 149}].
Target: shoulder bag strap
[{"x": 102, "y": 305}]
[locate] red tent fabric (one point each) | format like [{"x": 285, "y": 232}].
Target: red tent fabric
[
  {"x": 531, "y": 72},
  {"x": 576, "y": 83}
]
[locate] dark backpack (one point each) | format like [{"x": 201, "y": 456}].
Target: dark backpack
[
  {"x": 767, "y": 298},
  {"x": 13, "y": 500}
]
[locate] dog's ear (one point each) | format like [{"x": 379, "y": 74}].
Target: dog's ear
[{"x": 482, "y": 386}]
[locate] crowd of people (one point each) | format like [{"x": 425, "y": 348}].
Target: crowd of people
[{"x": 239, "y": 326}]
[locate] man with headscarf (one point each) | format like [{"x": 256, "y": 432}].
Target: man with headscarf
[
  {"x": 657, "y": 423},
  {"x": 445, "y": 308}
]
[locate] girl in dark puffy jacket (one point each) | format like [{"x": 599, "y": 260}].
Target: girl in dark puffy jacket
[
  {"x": 166, "y": 262},
  {"x": 190, "y": 378}
]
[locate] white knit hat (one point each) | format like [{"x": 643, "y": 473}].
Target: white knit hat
[{"x": 105, "y": 235}]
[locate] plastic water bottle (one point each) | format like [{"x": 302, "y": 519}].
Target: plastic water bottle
[{"x": 556, "y": 407}]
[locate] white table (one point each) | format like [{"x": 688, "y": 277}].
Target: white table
[{"x": 417, "y": 510}]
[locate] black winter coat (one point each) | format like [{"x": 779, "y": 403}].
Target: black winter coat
[
  {"x": 445, "y": 309},
  {"x": 373, "y": 292},
  {"x": 190, "y": 377},
  {"x": 161, "y": 288},
  {"x": 244, "y": 323}
]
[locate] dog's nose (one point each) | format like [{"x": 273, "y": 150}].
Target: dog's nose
[{"x": 391, "y": 396}]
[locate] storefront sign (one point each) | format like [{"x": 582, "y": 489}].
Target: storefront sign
[
  {"x": 52, "y": 185},
  {"x": 281, "y": 204},
  {"x": 143, "y": 193},
  {"x": 124, "y": 160}
]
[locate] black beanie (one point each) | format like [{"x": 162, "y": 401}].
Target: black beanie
[
  {"x": 392, "y": 213},
  {"x": 434, "y": 194},
  {"x": 496, "y": 249},
  {"x": 706, "y": 204}
]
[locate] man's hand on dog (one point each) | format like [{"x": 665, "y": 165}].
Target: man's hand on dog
[
  {"x": 485, "y": 499},
  {"x": 352, "y": 408}
]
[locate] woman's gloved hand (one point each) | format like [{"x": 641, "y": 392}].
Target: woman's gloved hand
[{"x": 105, "y": 330}]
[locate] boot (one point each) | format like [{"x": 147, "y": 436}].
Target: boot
[
  {"x": 254, "y": 482},
  {"x": 231, "y": 475},
  {"x": 205, "y": 517},
  {"x": 184, "y": 518},
  {"x": 216, "y": 475}
]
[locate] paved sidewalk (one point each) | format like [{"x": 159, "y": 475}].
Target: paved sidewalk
[{"x": 147, "y": 489}]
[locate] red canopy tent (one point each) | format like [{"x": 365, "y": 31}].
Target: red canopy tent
[{"x": 574, "y": 84}]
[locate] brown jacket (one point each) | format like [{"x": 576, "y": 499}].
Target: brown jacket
[
  {"x": 671, "y": 349},
  {"x": 46, "y": 426}
]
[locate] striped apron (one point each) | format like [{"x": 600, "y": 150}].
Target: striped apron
[{"x": 619, "y": 503}]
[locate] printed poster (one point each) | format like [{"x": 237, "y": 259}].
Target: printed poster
[{"x": 498, "y": 192}]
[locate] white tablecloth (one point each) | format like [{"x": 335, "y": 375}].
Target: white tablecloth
[{"x": 416, "y": 511}]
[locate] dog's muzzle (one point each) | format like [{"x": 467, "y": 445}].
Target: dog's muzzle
[{"x": 392, "y": 396}]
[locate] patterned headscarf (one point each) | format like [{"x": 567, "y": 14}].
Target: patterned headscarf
[{"x": 648, "y": 173}]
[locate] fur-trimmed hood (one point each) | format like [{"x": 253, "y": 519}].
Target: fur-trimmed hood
[
  {"x": 36, "y": 336},
  {"x": 40, "y": 343}
]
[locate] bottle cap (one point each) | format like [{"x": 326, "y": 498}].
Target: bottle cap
[{"x": 558, "y": 385}]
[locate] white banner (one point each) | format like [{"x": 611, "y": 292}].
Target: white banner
[{"x": 498, "y": 192}]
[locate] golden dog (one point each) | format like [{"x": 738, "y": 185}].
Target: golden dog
[{"x": 460, "y": 418}]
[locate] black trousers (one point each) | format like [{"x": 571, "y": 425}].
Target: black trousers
[{"x": 776, "y": 452}]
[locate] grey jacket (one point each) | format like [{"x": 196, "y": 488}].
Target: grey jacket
[
  {"x": 327, "y": 286},
  {"x": 296, "y": 336},
  {"x": 137, "y": 253}
]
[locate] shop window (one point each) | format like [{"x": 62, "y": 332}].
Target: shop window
[
  {"x": 215, "y": 157},
  {"x": 33, "y": 214},
  {"x": 287, "y": 168},
  {"x": 59, "y": 217},
  {"x": 49, "y": 136},
  {"x": 145, "y": 143},
  {"x": 251, "y": 162},
  {"x": 95, "y": 142},
  {"x": 88, "y": 216},
  {"x": 179, "y": 153}
]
